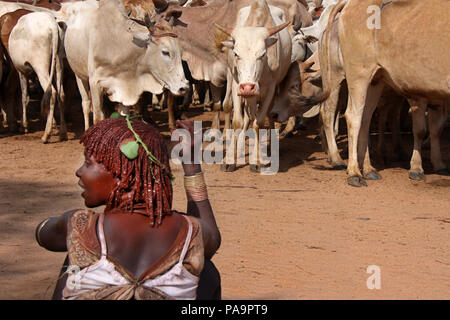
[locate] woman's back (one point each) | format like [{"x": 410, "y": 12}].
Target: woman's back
[{"x": 134, "y": 244}]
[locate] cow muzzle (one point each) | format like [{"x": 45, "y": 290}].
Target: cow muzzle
[{"x": 247, "y": 89}]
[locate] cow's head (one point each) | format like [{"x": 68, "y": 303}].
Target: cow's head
[
  {"x": 300, "y": 86},
  {"x": 248, "y": 55},
  {"x": 163, "y": 53}
]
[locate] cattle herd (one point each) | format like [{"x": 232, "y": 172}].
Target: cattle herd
[{"x": 264, "y": 62}]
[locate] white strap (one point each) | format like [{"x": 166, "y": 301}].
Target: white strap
[
  {"x": 188, "y": 240},
  {"x": 101, "y": 234}
]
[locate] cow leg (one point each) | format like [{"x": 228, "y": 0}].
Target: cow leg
[
  {"x": 353, "y": 116},
  {"x": 373, "y": 96},
  {"x": 419, "y": 130},
  {"x": 170, "y": 108},
  {"x": 83, "y": 87},
  {"x": 227, "y": 103},
  {"x": 25, "y": 100},
  {"x": 287, "y": 132},
  {"x": 436, "y": 119},
  {"x": 97, "y": 101},
  {"x": 207, "y": 104},
  {"x": 61, "y": 98},
  {"x": 50, "y": 116},
  {"x": 187, "y": 98},
  {"x": 195, "y": 94},
  {"x": 237, "y": 124},
  {"x": 217, "y": 105},
  {"x": 328, "y": 114},
  {"x": 48, "y": 100},
  {"x": 262, "y": 113}
]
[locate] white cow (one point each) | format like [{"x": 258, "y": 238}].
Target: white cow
[
  {"x": 110, "y": 53},
  {"x": 35, "y": 45},
  {"x": 257, "y": 62}
]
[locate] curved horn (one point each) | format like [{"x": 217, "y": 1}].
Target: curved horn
[
  {"x": 227, "y": 31},
  {"x": 276, "y": 29},
  {"x": 297, "y": 26},
  {"x": 172, "y": 21},
  {"x": 160, "y": 5},
  {"x": 181, "y": 2}
]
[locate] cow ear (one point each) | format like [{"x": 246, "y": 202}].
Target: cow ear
[
  {"x": 141, "y": 39},
  {"x": 270, "y": 42},
  {"x": 228, "y": 44}
]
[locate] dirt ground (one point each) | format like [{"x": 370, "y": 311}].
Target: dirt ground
[{"x": 300, "y": 234}]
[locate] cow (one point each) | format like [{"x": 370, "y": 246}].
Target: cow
[
  {"x": 121, "y": 57},
  {"x": 35, "y": 46},
  {"x": 304, "y": 78},
  {"x": 198, "y": 39},
  {"x": 257, "y": 63},
  {"x": 372, "y": 60}
]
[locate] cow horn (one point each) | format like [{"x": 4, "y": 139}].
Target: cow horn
[
  {"x": 181, "y": 2},
  {"x": 297, "y": 26},
  {"x": 276, "y": 29},
  {"x": 227, "y": 31},
  {"x": 160, "y": 5},
  {"x": 171, "y": 21}
]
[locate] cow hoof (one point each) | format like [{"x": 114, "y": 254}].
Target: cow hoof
[
  {"x": 339, "y": 166},
  {"x": 443, "y": 172},
  {"x": 156, "y": 107},
  {"x": 44, "y": 140},
  {"x": 419, "y": 176},
  {"x": 255, "y": 168},
  {"x": 228, "y": 167},
  {"x": 63, "y": 137},
  {"x": 357, "y": 181},
  {"x": 207, "y": 108},
  {"x": 196, "y": 102},
  {"x": 372, "y": 175}
]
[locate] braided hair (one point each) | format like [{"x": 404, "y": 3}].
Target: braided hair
[{"x": 146, "y": 182}]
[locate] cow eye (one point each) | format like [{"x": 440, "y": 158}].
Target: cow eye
[{"x": 166, "y": 53}]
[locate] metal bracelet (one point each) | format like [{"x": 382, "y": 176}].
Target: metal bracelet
[{"x": 42, "y": 224}]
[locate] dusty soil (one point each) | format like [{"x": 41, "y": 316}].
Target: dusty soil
[{"x": 300, "y": 234}]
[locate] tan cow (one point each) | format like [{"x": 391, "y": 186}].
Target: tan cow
[{"x": 375, "y": 56}]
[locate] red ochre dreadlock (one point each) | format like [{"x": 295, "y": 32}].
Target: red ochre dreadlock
[{"x": 103, "y": 140}]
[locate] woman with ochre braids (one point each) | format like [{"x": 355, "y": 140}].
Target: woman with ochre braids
[{"x": 138, "y": 248}]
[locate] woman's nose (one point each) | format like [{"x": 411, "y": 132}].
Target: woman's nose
[{"x": 78, "y": 172}]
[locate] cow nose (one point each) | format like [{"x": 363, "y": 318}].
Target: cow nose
[
  {"x": 182, "y": 91},
  {"x": 247, "y": 89}
]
